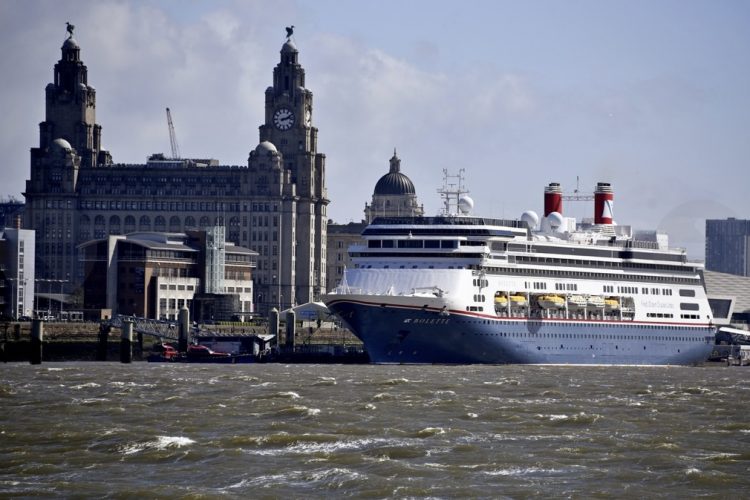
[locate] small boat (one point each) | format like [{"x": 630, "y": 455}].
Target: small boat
[
  {"x": 202, "y": 354},
  {"x": 162, "y": 352},
  {"x": 577, "y": 302},
  {"x": 551, "y": 301},
  {"x": 595, "y": 302},
  {"x": 611, "y": 304},
  {"x": 501, "y": 300},
  {"x": 517, "y": 300}
]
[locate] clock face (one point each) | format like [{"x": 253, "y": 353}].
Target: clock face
[{"x": 283, "y": 118}]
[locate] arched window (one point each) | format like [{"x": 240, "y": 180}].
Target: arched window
[
  {"x": 219, "y": 221},
  {"x": 160, "y": 225},
  {"x": 204, "y": 222},
  {"x": 100, "y": 228},
  {"x": 129, "y": 224},
  {"x": 174, "y": 224},
  {"x": 145, "y": 223},
  {"x": 84, "y": 231},
  {"x": 114, "y": 225},
  {"x": 190, "y": 222}
]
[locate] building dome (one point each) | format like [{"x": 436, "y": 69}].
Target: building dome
[
  {"x": 394, "y": 182},
  {"x": 265, "y": 147},
  {"x": 288, "y": 47},
  {"x": 69, "y": 44},
  {"x": 61, "y": 144}
]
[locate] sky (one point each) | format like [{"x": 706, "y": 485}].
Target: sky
[{"x": 650, "y": 96}]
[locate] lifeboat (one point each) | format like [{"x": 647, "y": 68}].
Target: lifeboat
[
  {"x": 595, "y": 302},
  {"x": 551, "y": 301},
  {"x": 518, "y": 301},
  {"x": 611, "y": 304},
  {"x": 501, "y": 300},
  {"x": 577, "y": 302}
]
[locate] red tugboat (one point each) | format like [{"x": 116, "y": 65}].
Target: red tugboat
[{"x": 197, "y": 353}]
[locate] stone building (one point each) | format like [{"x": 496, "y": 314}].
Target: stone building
[
  {"x": 394, "y": 196},
  {"x": 276, "y": 205}
]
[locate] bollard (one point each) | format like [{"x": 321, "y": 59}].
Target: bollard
[
  {"x": 37, "y": 335},
  {"x": 126, "y": 342},
  {"x": 101, "y": 348},
  {"x": 184, "y": 330},
  {"x": 273, "y": 325},
  {"x": 290, "y": 324}
]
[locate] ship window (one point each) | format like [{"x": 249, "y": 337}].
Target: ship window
[
  {"x": 370, "y": 244},
  {"x": 687, "y": 293},
  {"x": 688, "y": 306},
  {"x": 387, "y": 243}
]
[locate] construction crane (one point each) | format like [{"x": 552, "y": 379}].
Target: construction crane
[{"x": 172, "y": 137}]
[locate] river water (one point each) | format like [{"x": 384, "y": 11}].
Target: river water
[{"x": 267, "y": 430}]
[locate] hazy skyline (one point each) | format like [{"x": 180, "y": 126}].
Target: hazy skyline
[{"x": 652, "y": 96}]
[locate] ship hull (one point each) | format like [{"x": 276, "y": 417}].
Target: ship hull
[{"x": 426, "y": 330}]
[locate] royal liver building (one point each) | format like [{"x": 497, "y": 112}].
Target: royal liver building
[{"x": 276, "y": 205}]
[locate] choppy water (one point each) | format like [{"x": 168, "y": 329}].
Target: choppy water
[{"x": 177, "y": 430}]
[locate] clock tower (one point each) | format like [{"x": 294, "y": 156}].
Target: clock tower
[{"x": 289, "y": 128}]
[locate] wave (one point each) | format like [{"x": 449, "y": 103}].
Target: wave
[{"x": 160, "y": 443}]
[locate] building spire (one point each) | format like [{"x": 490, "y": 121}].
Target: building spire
[{"x": 395, "y": 163}]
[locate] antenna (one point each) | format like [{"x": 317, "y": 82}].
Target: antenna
[
  {"x": 451, "y": 192},
  {"x": 172, "y": 137}
]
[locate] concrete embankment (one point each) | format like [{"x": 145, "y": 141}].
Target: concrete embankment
[{"x": 80, "y": 341}]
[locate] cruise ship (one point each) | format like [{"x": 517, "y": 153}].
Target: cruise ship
[{"x": 457, "y": 288}]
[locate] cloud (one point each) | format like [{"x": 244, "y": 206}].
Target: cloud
[{"x": 446, "y": 99}]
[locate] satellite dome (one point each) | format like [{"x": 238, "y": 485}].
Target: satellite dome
[
  {"x": 530, "y": 218},
  {"x": 555, "y": 220},
  {"x": 265, "y": 147},
  {"x": 465, "y": 205}
]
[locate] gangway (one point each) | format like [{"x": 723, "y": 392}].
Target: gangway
[{"x": 162, "y": 329}]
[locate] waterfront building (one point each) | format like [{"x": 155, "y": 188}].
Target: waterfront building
[
  {"x": 16, "y": 273},
  {"x": 154, "y": 275},
  {"x": 729, "y": 297},
  {"x": 394, "y": 195},
  {"x": 275, "y": 205},
  {"x": 728, "y": 246}
]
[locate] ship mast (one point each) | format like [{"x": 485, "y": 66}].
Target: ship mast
[{"x": 452, "y": 191}]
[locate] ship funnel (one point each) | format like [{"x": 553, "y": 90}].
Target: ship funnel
[
  {"x": 553, "y": 199},
  {"x": 603, "y": 199}
]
